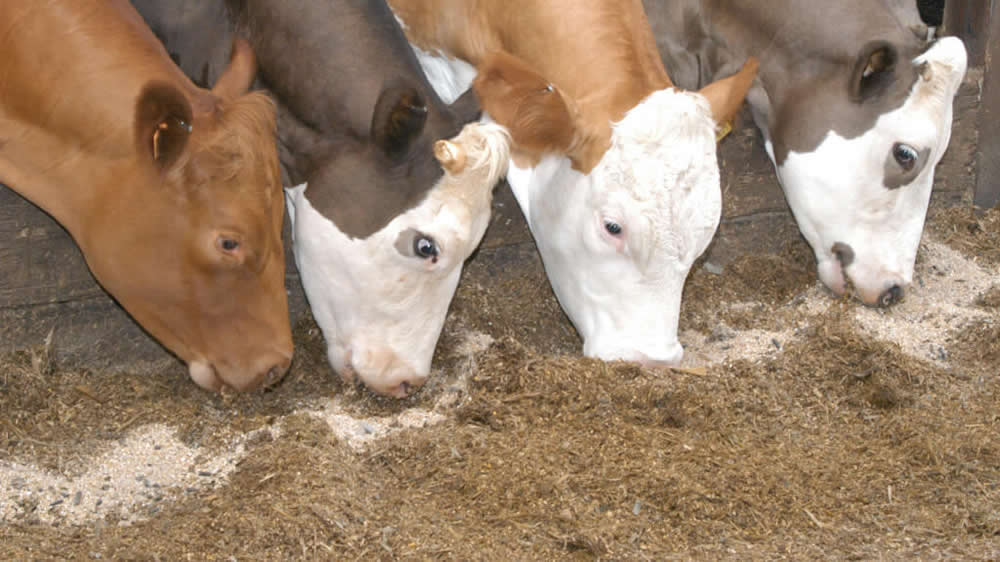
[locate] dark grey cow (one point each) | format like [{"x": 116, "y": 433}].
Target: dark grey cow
[
  {"x": 855, "y": 104},
  {"x": 393, "y": 187}
]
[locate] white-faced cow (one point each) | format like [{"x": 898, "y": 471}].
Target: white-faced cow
[
  {"x": 855, "y": 106},
  {"x": 392, "y": 193},
  {"x": 614, "y": 169},
  {"x": 172, "y": 192}
]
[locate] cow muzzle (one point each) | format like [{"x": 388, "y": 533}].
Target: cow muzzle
[
  {"x": 383, "y": 372},
  {"x": 882, "y": 290},
  {"x": 669, "y": 356},
  {"x": 267, "y": 371}
]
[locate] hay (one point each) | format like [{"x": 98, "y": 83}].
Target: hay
[{"x": 837, "y": 443}]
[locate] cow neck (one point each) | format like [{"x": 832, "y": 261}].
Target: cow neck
[
  {"x": 77, "y": 111},
  {"x": 579, "y": 48}
]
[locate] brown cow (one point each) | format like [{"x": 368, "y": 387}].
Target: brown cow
[
  {"x": 614, "y": 168},
  {"x": 172, "y": 192}
]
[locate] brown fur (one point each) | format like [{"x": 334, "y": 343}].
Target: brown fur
[
  {"x": 148, "y": 172},
  {"x": 533, "y": 110},
  {"x": 600, "y": 55}
]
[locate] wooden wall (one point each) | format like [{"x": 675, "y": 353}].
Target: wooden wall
[{"x": 974, "y": 22}]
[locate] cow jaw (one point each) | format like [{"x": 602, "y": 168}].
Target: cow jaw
[
  {"x": 864, "y": 207},
  {"x": 659, "y": 183}
]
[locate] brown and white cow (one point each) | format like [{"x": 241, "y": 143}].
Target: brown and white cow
[
  {"x": 172, "y": 192},
  {"x": 855, "y": 105},
  {"x": 392, "y": 187},
  {"x": 614, "y": 169}
]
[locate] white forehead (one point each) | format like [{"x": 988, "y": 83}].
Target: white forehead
[{"x": 662, "y": 150}]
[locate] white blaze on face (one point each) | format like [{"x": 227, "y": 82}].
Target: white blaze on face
[
  {"x": 838, "y": 192},
  {"x": 618, "y": 243},
  {"x": 381, "y": 301}
]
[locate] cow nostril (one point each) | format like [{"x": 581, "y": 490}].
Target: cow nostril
[
  {"x": 404, "y": 389},
  {"x": 892, "y": 296},
  {"x": 276, "y": 372}
]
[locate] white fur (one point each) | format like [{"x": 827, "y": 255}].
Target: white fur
[
  {"x": 381, "y": 312},
  {"x": 660, "y": 182},
  {"x": 451, "y": 77},
  {"x": 837, "y": 193}
]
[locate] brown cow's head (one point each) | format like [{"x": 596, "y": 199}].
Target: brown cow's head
[{"x": 189, "y": 238}]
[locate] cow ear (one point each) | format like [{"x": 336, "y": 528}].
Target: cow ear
[
  {"x": 162, "y": 124},
  {"x": 400, "y": 115},
  {"x": 726, "y": 96},
  {"x": 518, "y": 97},
  {"x": 467, "y": 108},
  {"x": 239, "y": 75},
  {"x": 872, "y": 71}
]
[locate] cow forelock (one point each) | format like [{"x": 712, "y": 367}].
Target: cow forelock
[
  {"x": 380, "y": 303},
  {"x": 663, "y": 157},
  {"x": 871, "y": 206},
  {"x": 658, "y": 183}
]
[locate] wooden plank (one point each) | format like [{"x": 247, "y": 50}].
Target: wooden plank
[
  {"x": 969, "y": 20},
  {"x": 39, "y": 262},
  {"x": 988, "y": 179}
]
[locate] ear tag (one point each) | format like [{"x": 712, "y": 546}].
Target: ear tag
[
  {"x": 158, "y": 132},
  {"x": 156, "y": 139},
  {"x": 724, "y": 130}
]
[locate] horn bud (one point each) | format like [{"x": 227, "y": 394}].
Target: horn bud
[
  {"x": 926, "y": 72},
  {"x": 450, "y": 155}
]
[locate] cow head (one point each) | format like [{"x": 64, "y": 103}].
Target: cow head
[
  {"x": 381, "y": 232},
  {"x": 189, "y": 240},
  {"x": 860, "y": 193},
  {"x": 617, "y": 237}
]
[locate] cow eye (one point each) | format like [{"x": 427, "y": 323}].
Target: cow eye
[
  {"x": 613, "y": 228},
  {"x": 905, "y": 155},
  {"x": 227, "y": 244},
  {"x": 425, "y": 247}
]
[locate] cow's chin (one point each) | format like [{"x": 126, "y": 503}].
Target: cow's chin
[
  {"x": 832, "y": 275},
  {"x": 204, "y": 375}
]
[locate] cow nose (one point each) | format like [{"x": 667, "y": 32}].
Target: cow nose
[
  {"x": 274, "y": 373},
  {"x": 406, "y": 387},
  {"x": 891, "y": 296}
]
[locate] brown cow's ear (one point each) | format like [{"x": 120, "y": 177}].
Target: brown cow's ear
[
  {"x": 162, "y": 124},
  {"x": 872, "y": 71},
  {"x": 399, "y": 117},
  {"x": 239, "y": 75},
  {"x": 726, "y": 96}
]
